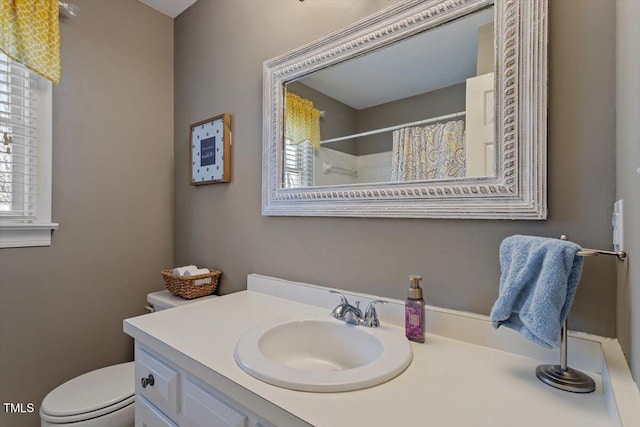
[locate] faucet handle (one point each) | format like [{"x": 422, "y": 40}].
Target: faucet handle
[
  {"x": 338, "y": 311},
  {"x": 343, "y": 299},
  {"x": 370, "y": 314}
]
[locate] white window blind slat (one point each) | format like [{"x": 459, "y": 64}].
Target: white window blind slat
[
  {"x": 17, "y": 117},
  {"x": 10, "y": 109},
  {"x": 16, "y": 81},
  {"x": 13, "y": 69},
  {"x": 4, "y": 163},
  {"x": 7, "y": 121},
  {"x": 17, "y": 104},
  {"x": 19, "y": 133},
  {"x": 20, "y": 150},
  {"x": 27, "y": 98},
  {"x": 26, "y": 198},
  {"x": 19, "y": 86},
  {"x": 21, "y": 179}
]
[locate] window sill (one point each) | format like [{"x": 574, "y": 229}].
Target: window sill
[{"x": 21, "y": 235}]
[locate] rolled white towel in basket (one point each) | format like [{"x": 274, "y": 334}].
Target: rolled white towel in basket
[
  {"x": 182, "y": 271},
  {"x": 196, "y": 272}
]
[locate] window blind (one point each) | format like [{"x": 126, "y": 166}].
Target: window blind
[
  {"x": 298, "y": 165},
  {"x": 18, "y": 140}
]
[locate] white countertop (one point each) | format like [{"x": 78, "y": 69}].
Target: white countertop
[{"x": 449, "y": 382}]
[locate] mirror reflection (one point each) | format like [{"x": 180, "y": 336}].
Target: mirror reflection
[{"x": 421, "y": 109}]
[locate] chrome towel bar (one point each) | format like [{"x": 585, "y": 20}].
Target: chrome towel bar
[{"x": 594, "y": 252}]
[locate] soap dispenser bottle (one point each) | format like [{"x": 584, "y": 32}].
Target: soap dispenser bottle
[{"x": 414, "y": 311}]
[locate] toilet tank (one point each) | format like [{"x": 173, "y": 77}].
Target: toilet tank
[{"x": 161, "y": 300}]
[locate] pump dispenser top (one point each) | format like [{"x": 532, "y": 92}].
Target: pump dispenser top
[{"x": 415, "y": 291}]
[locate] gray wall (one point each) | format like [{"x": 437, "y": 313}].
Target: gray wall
[
  {"x": 628, "y": 179},
  {"x": 61, "y": 307},
  {"x": 220, "y": 47}
]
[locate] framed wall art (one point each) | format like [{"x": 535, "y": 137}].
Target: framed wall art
[{"x": 210, "y": 142}]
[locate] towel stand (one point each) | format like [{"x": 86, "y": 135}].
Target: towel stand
[{"x": 561, "y": 376}]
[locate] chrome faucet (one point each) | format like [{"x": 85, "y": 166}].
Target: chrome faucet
[
  {"x": 353, "y": 315},
  {"x": 347, "y": 312}
]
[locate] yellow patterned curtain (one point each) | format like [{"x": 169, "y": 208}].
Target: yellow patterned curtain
[
  {"x": 302, "y": 121},
  {"x": 30, "y": 34}
]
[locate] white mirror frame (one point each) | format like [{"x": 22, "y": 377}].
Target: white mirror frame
[{"x": 519, "y": 191}]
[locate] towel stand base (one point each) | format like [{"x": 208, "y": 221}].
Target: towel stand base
[
  {"x": 567, "y": 380},
  {"x": 562, "y": 376}
]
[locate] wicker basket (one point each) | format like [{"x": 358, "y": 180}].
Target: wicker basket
[{"x": 185, "y": 287}]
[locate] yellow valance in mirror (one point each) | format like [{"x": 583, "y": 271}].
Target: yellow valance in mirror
[
  {"x": 302, "y": 121},
  {"x": 30, "y": 34}
]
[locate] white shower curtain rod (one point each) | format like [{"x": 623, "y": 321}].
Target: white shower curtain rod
[
  {"x": 373, "y": 132},
  {"x": 72, "y": 8}
]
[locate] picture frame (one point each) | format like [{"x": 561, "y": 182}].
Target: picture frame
[{"x": 210, "y": 150}]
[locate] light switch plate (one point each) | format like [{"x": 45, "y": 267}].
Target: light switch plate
[{"x": 618, "y": 225}]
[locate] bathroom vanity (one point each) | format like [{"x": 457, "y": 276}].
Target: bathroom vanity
[{"x": 466, "y": 373}]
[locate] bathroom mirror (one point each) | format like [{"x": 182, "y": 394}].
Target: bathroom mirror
[{"x": 427, "y": 109}]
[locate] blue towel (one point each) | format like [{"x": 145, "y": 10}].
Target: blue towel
[{"x": 539, "y": 280}]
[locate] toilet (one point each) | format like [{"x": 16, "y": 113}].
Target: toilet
[{"x": 104, "y": 397}]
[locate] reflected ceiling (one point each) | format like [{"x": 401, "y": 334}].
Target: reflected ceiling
[{"x": 351, "y": 82}]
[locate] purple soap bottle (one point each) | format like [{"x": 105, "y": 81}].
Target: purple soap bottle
[{"x": 414, "y": 311}]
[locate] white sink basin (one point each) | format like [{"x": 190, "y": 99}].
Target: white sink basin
[{"x": 322, "y": 354}]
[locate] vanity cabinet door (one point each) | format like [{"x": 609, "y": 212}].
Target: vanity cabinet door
[
  {"x": 202, "y": 409},
  {"x": 148, "y": 415},
  {"x": 157, "y": 382}
]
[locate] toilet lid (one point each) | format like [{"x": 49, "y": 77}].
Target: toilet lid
[{"x": 103, "y": 390}]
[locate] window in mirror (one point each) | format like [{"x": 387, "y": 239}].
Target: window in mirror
[
  {"x": 298, "y": 165},
  {"x": 301, "y": 137}
]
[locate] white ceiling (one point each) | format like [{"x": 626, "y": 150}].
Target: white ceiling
[
  {"x": 171, "y": 8},
  {"x": 432, "y": 60},
  {"x": 435, "y": 59}
]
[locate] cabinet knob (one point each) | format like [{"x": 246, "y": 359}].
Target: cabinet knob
[{"x": 147, "y": 381}]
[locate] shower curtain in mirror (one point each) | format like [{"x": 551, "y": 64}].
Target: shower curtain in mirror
[{"x": 429, "y": 152}]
